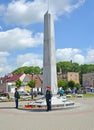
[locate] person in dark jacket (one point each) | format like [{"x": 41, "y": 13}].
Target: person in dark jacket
[
  {"x": 48, "y": 98},
  {"x": 17, "y": 96}
]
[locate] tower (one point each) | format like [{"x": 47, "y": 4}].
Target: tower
[{"x": 49, "y": 58}]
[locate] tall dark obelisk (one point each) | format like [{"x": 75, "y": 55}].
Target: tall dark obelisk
[{"x": 49, "y": 55}]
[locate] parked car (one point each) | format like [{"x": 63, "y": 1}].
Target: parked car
[
  {"x": 67, "y": 92},
  {"x": 40, "y": 93},
  {"x": 23, "y": 93},
  {"x": 4, "y": 94},
  {"x": 34, "y": 93}
]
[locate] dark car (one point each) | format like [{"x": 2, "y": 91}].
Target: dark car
[
  {"x": 67, "y": 92},
  {"x": 34, "y": 93},
  {"x": 4, "y": 94},
  {"x": 40, "y": 93}
]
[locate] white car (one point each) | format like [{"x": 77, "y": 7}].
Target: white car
[{"x": 23, "y": 93}]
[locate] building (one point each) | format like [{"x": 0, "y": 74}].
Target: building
[
  {"x": 88, "y": 79},
  {"x": 74, "y": 76},
  {"x": 8, "y": 84}
]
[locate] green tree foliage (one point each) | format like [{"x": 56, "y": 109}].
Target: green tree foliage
[
  {"x": 71, "y": 84},
  {"x": 77, "y": 85},
  {"x": 28, "y": 70},
  {"x": 63, "y": 67},
  {"x": 18, "y": 83},
  {"x": 67, "y": 67},
  {"x": 86, "y": 68},
  {"x": 32, "y": 84},
  {"x": 63, "y": 84}
]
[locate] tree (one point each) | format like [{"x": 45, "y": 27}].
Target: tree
[
  {"x": 28, "y": 70},
  {"x": 32, "y": 84},
  {"x": 77, "y": 85},
  {"x": 71, "y": 84},
  {"x": 18, "y": 83},
  {"x": 63, "y": 84}
]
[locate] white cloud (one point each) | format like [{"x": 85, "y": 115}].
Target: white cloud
[
  {"x": 61, "y": 7},
  {"x": 71, "y": 7},
  {"x": 90, "y": 56},
  {"x": 78, "y": 58},
  {"x": 24, "y": 12},
  {"x": 4, "y": 66},
  {"x": 19, "y": 39},
  {"x": 30, "y": 59},
  {"x": 5, "y": 69},
  {"x": 3, "y": 54},
  {"x": 75, "y": 55},
  {"x": 69, "y": 54},
  {"x": 3, "y": 58}
]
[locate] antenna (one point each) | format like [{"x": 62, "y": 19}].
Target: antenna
[{"x": 48, "y": 5}]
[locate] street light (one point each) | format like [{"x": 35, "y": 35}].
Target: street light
[{"x": 32, "y": 76}]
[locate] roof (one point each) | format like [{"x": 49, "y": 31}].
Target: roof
[{"x": 11, "y": 77}]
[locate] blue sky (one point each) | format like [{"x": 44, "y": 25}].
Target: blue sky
[{"x": 21, "y": 32}]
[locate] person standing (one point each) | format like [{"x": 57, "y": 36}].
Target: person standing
[
  {"x": 17, "y": 97},
  {"x": 48, "y": 97},
  {"x": 61, "y": 92}
]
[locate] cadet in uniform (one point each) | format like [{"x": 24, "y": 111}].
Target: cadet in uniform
[
  {"x": 48, "y": 97},
  {"x": 17, "y": 96}
]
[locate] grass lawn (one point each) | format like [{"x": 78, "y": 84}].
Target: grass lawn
[{"x": 87, "y": 95}]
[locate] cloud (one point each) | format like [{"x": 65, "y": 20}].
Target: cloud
[
  {"x": 69, "y": 8},
  {"x": 24, "y": 12},
  {"x": 4, "y": 66},
  {"x": 3, "y": 58},
  {"x": 30, "y": 59},
  {"x": 65, "y": 6},
  {"x": 69, "y": 54},
  {"x": 79, "y": 58},
  {"x": 90, "y": 56},
  {"x": 5, "y": 69},
  {"x": 18, "y": 39},
  {"x": 76, "y": 55},
  {"x": 3, "y": 54}
]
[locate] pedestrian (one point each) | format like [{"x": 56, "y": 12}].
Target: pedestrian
[
  {"x": 61, "y": 92},
  {"x": 48, "y": 97},
  {"x": 17, "y": 97}
]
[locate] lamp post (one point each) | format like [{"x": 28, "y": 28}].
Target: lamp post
[{"x": 32, "y": 76}]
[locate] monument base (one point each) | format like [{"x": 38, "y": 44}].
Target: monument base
[{"x": 56, "y": 102}]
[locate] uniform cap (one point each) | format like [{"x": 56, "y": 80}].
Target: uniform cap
[
  {"x": 48, "y": 86},
  {"x": 15, "y": 88}
]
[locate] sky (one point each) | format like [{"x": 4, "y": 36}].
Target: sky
[{"x": 22, "y": 27}]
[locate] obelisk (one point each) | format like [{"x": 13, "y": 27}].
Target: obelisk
[{"x": 49, "y": 55}]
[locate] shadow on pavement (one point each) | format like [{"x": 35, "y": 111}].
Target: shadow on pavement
[{"x": 7, "y": 108}]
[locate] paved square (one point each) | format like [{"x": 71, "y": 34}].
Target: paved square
[{"x": 81, "y": 118}]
